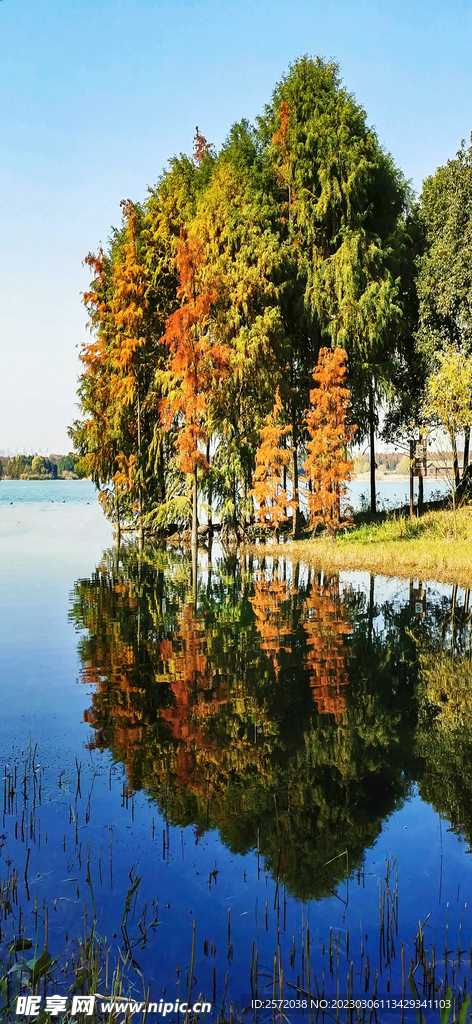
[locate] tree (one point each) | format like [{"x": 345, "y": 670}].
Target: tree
[
  {"x": 243, "y": 257},
  {"x": 327, "y": 466},
  {"x": 444, "y": 270},
  {"x": 128, "y": 308},
  {"x": 168, "y": 212},
  {"x": 115, "y": 436},
  {"x": 96, "y": 437},
  {"x": 245, "y": 262},
  {"x": 38, "y": 465},
  {"x": 66, "y": 464},
  {"x": 449, "y": 401},
  {"x": 347, "y": 205},
  {"x": 197, "y": 365},
  {"x": 268, "y": 490}
]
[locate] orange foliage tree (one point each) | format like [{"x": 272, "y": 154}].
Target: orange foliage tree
[
  {"x": 327, "y": 626},
  {"x": 198, "y": 363},
  {"x": 94, "y": 436},
  {"x": 327, "y": 466},
  {"x": 200, "y": 147},
  {"x": 267, "y": 480},
  {"x": 128, "y": 308}
]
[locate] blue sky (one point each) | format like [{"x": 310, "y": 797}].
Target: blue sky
[{"x": 95, "y": 97}]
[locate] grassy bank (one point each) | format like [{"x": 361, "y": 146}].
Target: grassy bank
[{"x": 434, "y": 546}]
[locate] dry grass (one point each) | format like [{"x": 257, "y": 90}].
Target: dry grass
[{"x": 425, "y": 548}]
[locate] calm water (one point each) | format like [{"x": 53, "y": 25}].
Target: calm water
[{"x": 244, "y": 750}]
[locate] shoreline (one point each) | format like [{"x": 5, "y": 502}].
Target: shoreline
[{"x": 423, "y": 548}]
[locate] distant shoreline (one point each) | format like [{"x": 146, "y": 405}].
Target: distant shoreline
[
  {"x": 41, "y": 479},
  {"x": 394, "y": 478}
]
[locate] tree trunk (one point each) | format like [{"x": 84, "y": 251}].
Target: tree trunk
[
  {"x": 370, "y": 617},
  {"x": 161, "y": 473},
  {"x": 242, "y": 517},
  {"x": 194, "y": 573},
  {"x": 466, "y": 449},
  {"x": 455, "y": 460},
  {"x": 373, "y": 496},
  {"x": 420, "y": 493},
  {"x": 412, "y": 480},
  {"x": 209, "y": 570},
  {"x": 194, "y": 508},
  {"x": 140, "y": 519},
  {"x": 337, "y": 503},
  {"x": 210, "y": 494},
  {"x": 117, "y": 518},
  {"x": 455, "y": 478},
  {"x": 140, "y": 489},
  {"x": 284, "y": 475},
  {"x": 296, "y": 506}
]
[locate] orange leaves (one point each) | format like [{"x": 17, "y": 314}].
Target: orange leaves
[
  {"x": 200, "y": 147},
  {"x": 280, "y": 137},
  {"x": 271, "y": 619},
  {"x": 129, "y": 300},
  {"x": 267, "y": 485},
  {"x": 280, "y": 141},
  {"x": 125, "y": 475},
  {"x": 326, "y": 626},
  {"x": 117, "y": 303},
  {"x": 95, "y": 300},
  {"x": 198, "y": 362},
  {"x": 327, "y": 466}
]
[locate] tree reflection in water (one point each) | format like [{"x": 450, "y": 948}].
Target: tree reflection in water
[{"x": 272, "y": 703}]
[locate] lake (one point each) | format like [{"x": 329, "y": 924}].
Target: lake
[{"x": 248, "y": 783}]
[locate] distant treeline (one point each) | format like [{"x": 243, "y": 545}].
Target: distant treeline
[
  {"x": 387, "y": 462},
  {"x": 439, "y": 463},
  {"x": 38, "y": 467}
]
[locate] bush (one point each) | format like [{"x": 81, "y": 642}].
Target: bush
[{"x": 403, "y": 467}]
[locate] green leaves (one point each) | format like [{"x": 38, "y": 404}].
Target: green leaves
[
  {"x": 445, "y": 276},
  {"x": 449, "y": 391}
]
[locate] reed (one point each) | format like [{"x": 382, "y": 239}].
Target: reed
[{"x": 33, "y": 962}]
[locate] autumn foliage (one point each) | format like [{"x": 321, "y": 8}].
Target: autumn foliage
[
  {"x": 327, "y": 423},
  {"x": 327, "y": 627},
  {"x": 268, "y": 491},
  {"x": 197, "y": 362},
  {"x": 270, "y": 606},
  {"x": 209, "y": 306}
]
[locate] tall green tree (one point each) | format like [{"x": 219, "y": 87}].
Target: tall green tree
[
  {"x": 445, "y": 268},
  {"x": 342, "y": 205}
]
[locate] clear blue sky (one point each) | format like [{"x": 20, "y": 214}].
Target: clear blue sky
[{"x": 96, "y": 96}]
